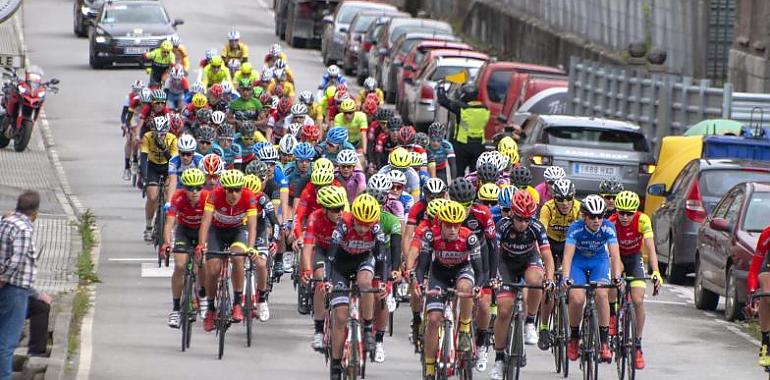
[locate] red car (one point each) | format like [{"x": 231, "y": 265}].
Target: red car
[
  {"x": 524, "y": 86},
  {"x": 725, "y": 244}
]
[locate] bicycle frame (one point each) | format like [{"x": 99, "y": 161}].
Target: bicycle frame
[
  {"x": 590, "y": 340},
  {"x": 624, "y": 341},
  {"x": 353, "y": 354},
  {"x": 160, "y": 220},
  {"x": 224, "y": 302},
  {"x": 188, "y": 296},
  {"x": 514, "y": 350},
  {"x": 446, "y": 352}
]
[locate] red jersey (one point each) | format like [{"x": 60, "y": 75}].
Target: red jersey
[
  {"x": 319, "y": 230},
  {"x": 228, "y": 216},
  {"x": 480, "y": 222},
  {"x": 451, "y": 253},
  {"x": 763, "y": 245},
  {"x": 187, "y": 214},
  {"x": 417, "y": 213},
  {"x": 147, "y": 112},
  {"x": 419, "y": 231},
  {"x": 308, "y": 203},
  {"x": 353, "y": 243},
  {"x": 134, "y": 102}
]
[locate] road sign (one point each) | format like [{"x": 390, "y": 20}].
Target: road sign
[{"x": 11, "y": 61}]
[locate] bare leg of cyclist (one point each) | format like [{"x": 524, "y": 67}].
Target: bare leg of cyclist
[
  {"x": 577, "y": 298},
  {"x": 338, "y": 331},
  {"x": 637, "y": 297},
  {"x": 464, "y": 343},
  {"x": 319, "y": 309},
  {"x": 534, "y": 277},
  {"x": 238, "y": 277},
  {"x": 503, "y": 320},
  {"x": 430, "y": 341},
  {"x": 150, "y": 205},
  {"x": 364, "y": 281},
  {"x": 177, "y": 279}
]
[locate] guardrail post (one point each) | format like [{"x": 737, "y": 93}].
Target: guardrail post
[
  {"x": 727, "y": 101},
  {"x": 572, "y": 93}
]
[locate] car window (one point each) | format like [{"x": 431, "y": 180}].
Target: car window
[
  {"x": 407, "y": 45},
  {"x": 721, "y": 209},
  {"x": 134, "y": 14},
  {"x": 443, "y": 71},
  {"x": 362, "y": 23},
  {"x": 596, "y": 138},
  {"x": 497, "y": 86},
  {"x": 683, "y": 178},
  {"x": 346, "y": 14},
  {"x": 735, "y": 207},
  {"x": 757, "y": 210},
  {"x": 716, "y": 182}
]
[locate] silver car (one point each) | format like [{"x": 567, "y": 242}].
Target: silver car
[
  {"x": 589, "y": 149},
  {"x": 337, "y": 25}
]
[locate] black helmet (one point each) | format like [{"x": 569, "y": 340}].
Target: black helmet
[
  {"x": 521, "y": 176},
  {"x": 437, "y": 131},
  {"x": 383, "y": 114},
  {"x": 461, "y": 190},
  {"x": 421, "y": 139},
  {"x": 469, "y": 92},
  {"x": 487, "y": 172},
  {"x": 206, "y": 134},
  {"x": 610, "y": 186},
  {"x": 395, "y": 122}
]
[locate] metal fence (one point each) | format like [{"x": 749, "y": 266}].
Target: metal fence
[{"x": 662, "y": 104}]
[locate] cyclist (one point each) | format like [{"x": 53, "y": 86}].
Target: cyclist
[
  {"x": 322, "y": 175},
  {"x": 609, "y": 189},
  {"x": 758, "y": 279},
  {"x": 310, "y": 134},
  {"x": 331, "y": 77},
  {"x": 634, "y": 230},
  {"x": 378, "y": 124},
  {"x": 316, "y": 249},
  {"x": 223, "y": 226},
  {"x": 355, "y": 122},
  {"x": 216, "y": 96},
  {"x": 247, "y": 103},
  {"x": 157, "y": 148},
  {"x": 190, "y": 112},
  {"x": 451, "y": 254},
  {"x": 397, "y": 193},
  {"x": 352, "y": 178},
  {"x": 298, "y": 114},
  {"x": 267, "y": 233},
  {"x": 508, "y": 147},
  {"x": 176, "y": 88},
  {"x": 370, "y": 87},
  {"x": 282, "y": 82},
  {"x": 441, "y": 153},
  {"x": 387, "y": 142},
  {"x": 358, "y": 249},
  {"x": 522, "y": 179},
  {"x": 133, "y": 101},
  {"x": 314, "y": 109},
  {"x": 503, "y": 207},
  {"x": 185, "y": 212},
  {"x": 590, "y": 254},
  {"x": 285, "y": 149},
  {"x": 156, "y": 108},
  {"x": 298, "y": 172},
  {"x": 432, "y": 189},
  {"x": 205, "y": 136},
  {"x": 213, "y": 166},
  {"x": 273, "y": 55},
  {"x": 180, "y": 52},
  {"x": 215, "y": 72},
  {"x": 400, "y": 160},
  {"x": 161, "y": 60},
  {"x": 336, "y": 141},
  {"x": 208, "y": 55},
  {"x": 235, "y": 49},
  {"x": 525, "y": 255},
  {"x": 245, "y": 72},
  {"x": 551, "y": 174},
  {"x": 280, "y": 64},
  {"x": 230, "y": 151},
  {"x": 186, "y": 159}
]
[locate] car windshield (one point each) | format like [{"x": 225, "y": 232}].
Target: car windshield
[
  {"x": 498, "y": 85},
  {"x": 756, "y": 213},
  {"x": 347, "y": 13},
  {"x": 135, "y": 14},
  {"x": 596, "y": 138},
  {"x": 400, "y": 30},
  {"x": 717, "y": 182},
  {"x": 443, "y": 71},
  {"x": 362, "y": 23}
]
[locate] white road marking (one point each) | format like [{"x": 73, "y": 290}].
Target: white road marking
[
  {"x": 665, "y": 302},
  {"x": 151, "y": 270}
]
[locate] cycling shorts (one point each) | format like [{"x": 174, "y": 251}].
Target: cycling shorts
[
  {"x": 185, "y": 239},
  {"x": 320, "y": 258},
  {"x": 590, "y": 269},
  {"x": 221, "y": 238},
  {"x": 512, "y": 270},
  {"x": 633, "y": 266},
  {"x": 442, "y": 278},
  {"x": 557, "y": 250},
  {"x": 343, "y": 268},
  {"x": 154, "y": 172},
  {"x": 175, "y": 101}
]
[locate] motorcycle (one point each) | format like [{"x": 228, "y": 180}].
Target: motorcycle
[{"x": 22, "y": 101}]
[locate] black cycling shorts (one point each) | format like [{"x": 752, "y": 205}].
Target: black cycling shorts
[
  {"x": 155, "y": 172},
  {"x": 219, "y": 239},
  {"x": 345, "y": 267},
  {"x": 557, "y": 250},
  {"x": 185, "y": 239},
  {"x": 512, "y": 269},
  {"x": 442, "y": 278},
  {"x": 320, "y": 258}
]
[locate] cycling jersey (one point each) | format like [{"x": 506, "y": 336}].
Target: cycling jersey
[
  {"x": 156, "y": 154},
  {"x": 190, "y": 113},
  {"x": 233, "y": 155},
  {"x": 227, "y": 216},
  {"x": 759, "y": 262},
  {"x": 181, "y": 55},
  {"x": 186, "y": 213},
  {"x": 479, "y": 221},
  {"x": 407, "y": 201},
  {"x": 251, "y": 104},
  {"x": 297, "y": 180},
  {"x": 265, "y": 218},
  {"x": 319, "y": 230},
  {"x": 544, "y": 194},
  {"x": 307, "y": 204},
  {"x": 417, "y": 213},
  {"x": 176, "y": 87},
  {"x": 556, "y": 224},
  {"x": 363, "y": 93},
  {"x": 354, "y": 185},
  {"x": 307, "y": 120},
  {"x": 238, "y": 76},
  {"x": 210, "y": 77},
  {"x": 175, "y": 166},
  {"x": 156, "y": 58},
  {"x": 515, "y": 245},
  {"x": 346, "y": 240},
  {"x": 419, "y": 231},
  {"x": 323, "y": 151},
  {"x": 630, "y": 237},
  {"x": 357, "y": 126},
  {"x": 241, "y": 52},
  {"x": 450, "y": 254},
  {"x": 327, "y": 81},
  {"x": 384, "y": 144},
  {"x": 440, "y": 156},
  {"x": 288, "y": 88},
  {"x": 412, "y": 179},
  {"x": 280, "y": 179},
  {"x": 588, "y": 243},
  {"x": 315, "y": 112}
]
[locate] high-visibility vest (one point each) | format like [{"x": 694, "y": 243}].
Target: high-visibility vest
[{"x": 473, "y": 120}]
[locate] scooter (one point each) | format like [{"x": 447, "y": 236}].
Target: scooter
[{"x": 22, "y": 101}]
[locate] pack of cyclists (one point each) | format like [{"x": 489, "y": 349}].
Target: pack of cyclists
[{"x": 361, "y": 198}]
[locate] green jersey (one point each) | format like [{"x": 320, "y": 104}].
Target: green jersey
[
  {"x": 247, "y": 105},
  {"x": 390, "y": 225}
]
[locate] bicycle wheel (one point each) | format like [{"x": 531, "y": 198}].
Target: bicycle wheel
[
  {"x": 587, "y": 348},
  {"x": 553, "y": 331},
  {"x": 185, "y": 312},
  {"x": 445, "y": 353},
  {"x": 563, "y": 332},
  {"x": 223, "y": 314},
  {"x": 248, "y": 304},
  {"x": 630, "y": 343},
  {"x": 354, "y": 351}
]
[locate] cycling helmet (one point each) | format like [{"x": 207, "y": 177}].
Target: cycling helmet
[
  {"x": 225, "y": 131},
  {"x": 342, "y": 88},
  {"x": 379, "y": 182},
  {"x": 216, "y": 61},
  {"x": 380, "y": 195},
  {"x": 166, "y": 46},
  {"x": 246, "y": 68},
  {"x": 503, "y": 162},
  {"x": 199, "y": 100},
  {"x": 146, "y": 95},
  {"x": 397, "y": 177},
  {"x": 521, "y": 176},
  {"x": 333, "y": 71},
  {"x": 211, "y": 53},
  {"x": 137, "y": 86},
  {"x": 347, "y": 157},
  {"x": 258, "y": 168},
  {"x": 265, "y": 98},
  {"x": 247, "y": 129},
  {"x": 489, "y": 192},
  {"x": 234, "y": 35},
  {"x": 160, "y": 124},
  {"x": 216, "y": 90},
  {"x": 176, "y": 73},
  {"x": 212, "y": 164},
  {"x": 231, "y": 179},
  {"x": 193, "y": 177},
  {"x": 437, "y": 131},
  {"x": 227, "y": 87},
  {"x": 406, "y": 135},
  {"x": 434, "y": 187},
  {"x": 303, "y": 151},
  {"x": 370, "y": 106},
  {"x": 234, "y": 65},
  {"x": 175, "y": 40},
  {"x": 197, "y": 88},
  {"x": 306, "y": 97},
  {"x": 453, "y": 212},
  {"x": 159, "y": 96},
  {"x": 253, "y": 183},
  {"x": 395, "y": 123},
  {"x": 322, "y": 177},
  {"x": 554, "y": 173},
  {"x": 383, "y": 115},
  {"x": 203, "y": 115},
  {"x": 299, "y": 109},
  {"x": 275, "y": 50},
  {"x": 186, "y": 143},
  {"x": 487, "y": 172},
  {"x": 284, "y": 106},
  {"x": 337, "y": 135},
  {"x": 331, "y": 197},
  {"x": 287, "y": 144},
  {"x": 435, "y": 205},
  {"x": 593, "y": 204},
  {"x": 206, "y": 134},
  {"x": 267, "y": 75},
  {"x": 279, "y": 64},
  {"x": 370, "y": 84},
  {"x": 245, "y": 84},
  {"x": 507, "y": 144},
  {"x": 400, "y": 158},
  {"x": 365, "y": 209},
  {"x": 563, "y": 188},
  {"x": 279, "y": 74},
  {"x": 218, "y": 117},
  {"x": 421, "y": 139},
  {"x": 418, "y": 159},
  {"x": 348, "y": 105},
  {"x": 486, "y": 157},
  {"x": 523, "y": 205},
  {"x": 627, "y": 201},
  {"x": 462, "y": 190},
  {"x": 505, "y": 196},
  {"x": 610, "y": 186},
  {"x": 268, "y": 154},
  {"x": 294, "y": 129},
  {"x": 323, "y": 163},
  {"x": 310, "y": 132}
]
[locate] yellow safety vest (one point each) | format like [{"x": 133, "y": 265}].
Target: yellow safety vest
[{"x": 473, "y": 120}]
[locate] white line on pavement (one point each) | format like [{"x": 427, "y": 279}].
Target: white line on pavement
[{"x": 647, "y": 300}]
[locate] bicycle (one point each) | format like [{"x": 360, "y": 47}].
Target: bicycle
[
  {"x": 623, "y": 343},
  {"x": 448, "y": 363},
  {"x": 515, "y": 355},
  {"x": 188, "y": 310},
  {"x": 754, "y": 297},
  {"x": 589, "y": 340},
  {"x": 558, "y": 329},
  {"x": 248, "y": 298},
  {"x": 160, "y": 220},
  {"x": 223, "y": 300}
]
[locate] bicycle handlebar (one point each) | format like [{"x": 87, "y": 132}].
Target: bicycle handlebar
[
  {"x": 521, "y": 286},
  {"x": 594, "y": 285},
  {"x": 449, "y": 292}
]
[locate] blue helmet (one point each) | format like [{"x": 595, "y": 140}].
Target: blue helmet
[
  {"x": 304, "y": 151},
  {"x": 337, "y": 135},
  {"x": 258, "y": 146},
  {"x": 505, "y": 196}
]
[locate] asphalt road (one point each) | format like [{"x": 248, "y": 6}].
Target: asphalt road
[{"x": 130, "y": 336}]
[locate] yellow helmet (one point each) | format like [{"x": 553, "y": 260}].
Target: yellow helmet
[
  {"x": 435, "y": 205},
  {"x": 330, "y": 91},
  {"x": 193, "y": 177},
  {"x": 366, "y": 209},
  {"x": 322, "y": 177},
  {"x": 627, "y": 201},
  {"x": 246, "y": 68},
  {"x": 253, "y": 183},
  {"x": 216, "y": 61},
  {"x": 400, "y": 158},
  {"x": 199, "y": 100},
  {"x": 331, "y": 197},
  {"x": 452, "y": 212},
  {"x": 506, "y": 144},
  {"x": 418, "y": 159},
  {"x": 323, "y": 163},
  {"x": 489, "y": 192},
  {"x": 231, "y": 179},
  {"x": 348, "y": 105},
  {"x": 166, "y": 45}
]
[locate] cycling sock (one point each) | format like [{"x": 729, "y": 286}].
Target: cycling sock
[
  {"x": 766, "y": 337},
  {"x": 430, "y": 365},
  {"x": 416, "y": 318},
  {"x": 148, "y": 225},
  {"x": 202, "y": 292},
  {"x": 126, "y": 164},
  {"x": 613, "y": 310},
  {"x": 481, "y": 337},
  {"x": 530, "y": 318},
  {"x": 465, "y": 325},
  {"x": 604, "y": 332},
  {"x": 379, "y": 337},
  {"x": 638, "y": 343},
  {"x": 499, "y": 355},
  {"x": 211, "y": 304},
  {"x": 368, "y": 324},
  {"x": 176, "y": 304},
  {"x": 543, "y": 326},
  {"x": 319, "y": 326},
  {"x": 262, "y": 296},
  {"x": 237, "y": 298},
  {"x": 336, "y": 366},
  {"x": 574, "y": 332}
]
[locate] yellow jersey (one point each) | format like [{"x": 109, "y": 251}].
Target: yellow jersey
[
  {"x": 155, "y": 154},
  {"x": 556, "y": 224}
]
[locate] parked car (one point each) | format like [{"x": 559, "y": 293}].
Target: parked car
[
  {"x": 337, "y": 25},
  {"x": 354, "y": 40},
  {"x": 551, "y": 101},
  {"x": 395, "y": 58},
  {"x": 420, "y": 93},
  {"x": 300, "y": 22},
  {"x": 689, "y": 201},
  {"x": 368, "y": 41},
  {"x": 83, "y": 14},
  {"x": 126, "y": 29},
  {"x": 524, "y": 86},
  {"x": 725, "y": 244}
]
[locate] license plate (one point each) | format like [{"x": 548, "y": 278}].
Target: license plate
[
  {"x": 590, "y": 169},
  {"x": 135, "y": 50}
]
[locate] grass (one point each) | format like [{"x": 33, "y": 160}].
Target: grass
[{"x": 81, "y": 302}]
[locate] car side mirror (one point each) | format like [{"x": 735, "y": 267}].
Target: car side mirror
[
  {"x": 719, "y": 224},
  {"x": 328, "y": 19},
  {"x": 658, "y": 190},
  {"x": 177, "y": 21}
]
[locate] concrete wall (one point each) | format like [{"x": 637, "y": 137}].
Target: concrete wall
[{"x": 748, "y": 63}]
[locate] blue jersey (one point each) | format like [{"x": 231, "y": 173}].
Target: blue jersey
[
  {"x": 497, "y": 213},
  {"x": 407, "y": 200},
  {"x": 588, "y": 243},
  {"x": 280, "y": 178},
  {"x": 232, "y": 155},
  {"x": 424, "y": 176},
  {"x": 441, "y": 154},
  {"x": 296, "y": 180},
  {"x": 327, "y": 81},
  {"x": 322, "y": 152},
  {"x": 176, "y": 167}
]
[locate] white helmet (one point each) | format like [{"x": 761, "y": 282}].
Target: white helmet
[
  {"x": 268, "y": 153},
  {"x": 504, "y": 161},
  {"x": 333, "y": 71},
  {"x": 397, "y": 176},
  {"x": 294, "y": 128},
  {"x": 370, "y": 84},
  {"x": 267, "y": 75},
  {"x": 485, "y": 157},
  {"x": 594, "y": 205},
  {"x": 287, "y": 143},
  {"x": 298, "y": 109},
  {"x": 279, "y": 74},
  {"x": 275, "y": 50},
  {"x": 306, "y": 97},
  {"x": 186, "y": 143},
  {"x": 234, "y": 35},
  {"x": 211, "y": 53},
  {"x": 217, "y": 117},
  {"x": 175, "y": 40},
  {"x": 197, "y": 88},
  {"x": 554, "y": 173},
  {"x": 379, "y": 182},
  {"x": 347, "y": 157},
  {"x": 227, "y": 88},
  {"x": 434, "y": 186}
]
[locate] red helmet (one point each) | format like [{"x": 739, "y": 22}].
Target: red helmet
[
  {"x": 176, "y": 124},
  {"x": 212, "y": 164},
  {"x": 370, "y": 106},
  {"x": 342, "y": 88},
  {"x": 265, "y": 99},
  {"x": 284, "y": 106},
  {"x": 523, "y": 205},
  {"x": 406, "y": 135},
  {"x": 278, "y": 91},
  {"x": 310, "y": 132},
  {"x": 216, "y": 90}
]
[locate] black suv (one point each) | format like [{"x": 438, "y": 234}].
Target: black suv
[{"x": 126, "y": 29}]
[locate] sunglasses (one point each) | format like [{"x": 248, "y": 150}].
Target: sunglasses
[
  {"x": 398, "y": 187},
  {"x": 186, "y": 154},
  {"x": 466, "y": 204},
  {"x": 505, "y": 209},
  {"x": 348, "y": 113},
  {"x": 489, "y": 203},
  {"x": 608, "y": 196},
  {"x": 233, "y": 189},
  {"x": 347, "y": 166},
  {"x": 193, "y": 189},
  {"x": 563, "y": 199},
  {"x": 331, "y": 145},
  {"x": 626, "y": 213},
  {"x": 303, "y": 161},
  {"x": 521, "y": 220},
  {"x": 595, "y": 217},
  {"x": 335, "y": 210},
  {"x": 159, "y": 103},
  {"x": 202, "y": 142}
]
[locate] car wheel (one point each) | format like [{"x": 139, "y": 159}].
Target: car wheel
[
  {"x": 94, "y": 62},
  {"x": 77, "y": 26},
  {"x": 675, "y": 273},
  {"x": 733, "y": 308},
  {"x": 704, "y": 298}
]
